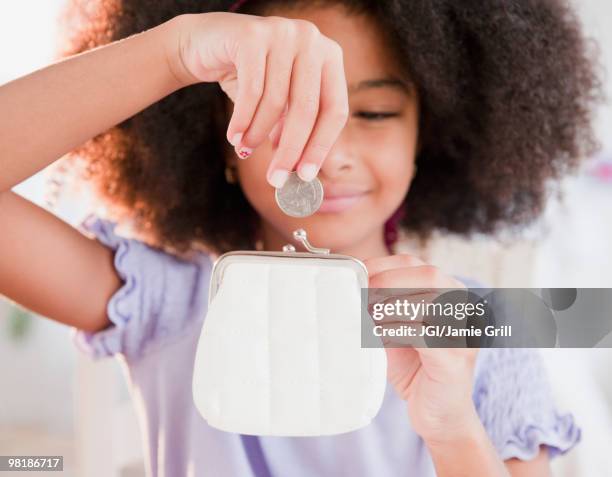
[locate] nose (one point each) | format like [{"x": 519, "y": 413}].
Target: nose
[{"x": 341, "y": 158}]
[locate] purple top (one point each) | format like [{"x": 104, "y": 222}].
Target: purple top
[{"x": 158, "y": 314}]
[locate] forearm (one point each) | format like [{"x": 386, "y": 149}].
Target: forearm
[
  {"x": 472, "y": 454},
  {"x": 53, "y": 110}
]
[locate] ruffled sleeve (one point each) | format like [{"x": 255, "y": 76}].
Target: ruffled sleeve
[
  {"x": 515, "y": 403},
  {"x": 160, "y": 295}
]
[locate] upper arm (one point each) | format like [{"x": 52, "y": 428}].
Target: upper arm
[
  {"x": 51, "y": 268},
  {"x": 539, "y": 466}
]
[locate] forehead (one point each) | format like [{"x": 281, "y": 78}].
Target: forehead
[{"x": 366, "y": 51}]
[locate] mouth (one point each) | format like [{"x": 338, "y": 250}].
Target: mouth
[{"x": 336, "y": 199}]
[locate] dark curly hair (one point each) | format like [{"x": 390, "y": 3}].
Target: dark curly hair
[{"x": 506, "y": 90}]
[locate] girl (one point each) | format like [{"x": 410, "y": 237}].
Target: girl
[{"x": 489, "y": 99}]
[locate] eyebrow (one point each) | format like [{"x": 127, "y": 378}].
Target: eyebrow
[{"x": 380, "y": 83}]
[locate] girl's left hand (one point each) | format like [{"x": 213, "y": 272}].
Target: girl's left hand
[{"x": 436, "y": 382}]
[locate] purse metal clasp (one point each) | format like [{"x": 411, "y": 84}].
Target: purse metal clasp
[
  {"x": 300, "y": 236},
  {"x": 321, "y": 257}
]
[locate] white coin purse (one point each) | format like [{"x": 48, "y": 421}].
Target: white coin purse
[{"x": 280, "y": 350}]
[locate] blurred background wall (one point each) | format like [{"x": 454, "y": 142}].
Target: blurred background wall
[{"x": 37, "y": 360}]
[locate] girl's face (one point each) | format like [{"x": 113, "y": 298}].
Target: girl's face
[{"x": 368, "y": 171}]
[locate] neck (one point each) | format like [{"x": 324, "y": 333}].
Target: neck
[{"x": 370, "y": 247}]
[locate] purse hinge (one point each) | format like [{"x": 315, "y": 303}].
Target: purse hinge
[{"x": 300, "y": 236}]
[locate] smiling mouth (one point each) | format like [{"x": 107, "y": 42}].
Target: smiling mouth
[{"x": 341, "y": 203}]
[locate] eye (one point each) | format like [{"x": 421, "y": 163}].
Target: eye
[{"x": 375, "y": 115}]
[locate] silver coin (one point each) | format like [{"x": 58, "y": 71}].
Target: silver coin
[{"x": 298, "y": 198}]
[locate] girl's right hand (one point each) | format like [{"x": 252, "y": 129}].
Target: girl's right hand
[{"x": 285, "y": 78}]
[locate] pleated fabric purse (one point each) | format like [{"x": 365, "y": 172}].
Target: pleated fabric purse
[{"x": 280, "y": 350}]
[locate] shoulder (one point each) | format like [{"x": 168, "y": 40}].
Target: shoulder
[
  {"x": 134, "y": 253},
  {"x": 160, "y": 295}
]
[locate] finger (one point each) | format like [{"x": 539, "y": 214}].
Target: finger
[
  {"x": 380, "y": 264},
  {"x": 452, "y": 361},
  {"x": 383, "y": 306},
  {"x": 402, "y": 361},
  {"x": 273, "y": 102},
  {"x": 303, "y": 109},
  {"x": 333, "y": 114},
  {"x": 403, "y": 365},
  {"x": 274, "y": 135},
  {"x": 394, "y": 336},
  {"x": 381, "y": 290},
  {"x": 420, "y": 335},
  {"x": 277, "y": 130},
  {"x": 251, "y": 67}
]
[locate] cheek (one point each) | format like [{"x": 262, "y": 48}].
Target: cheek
[
  {"x": 404, "y": 161},
  {"x": 393, "y": 164}
]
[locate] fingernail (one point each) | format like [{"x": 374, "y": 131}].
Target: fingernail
[
  {"x": 278, "y": 178},
  {"x": 244, "y": 152},
  {"x": 236, "y": 139},
  {"x": 307, "y": 172}
]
